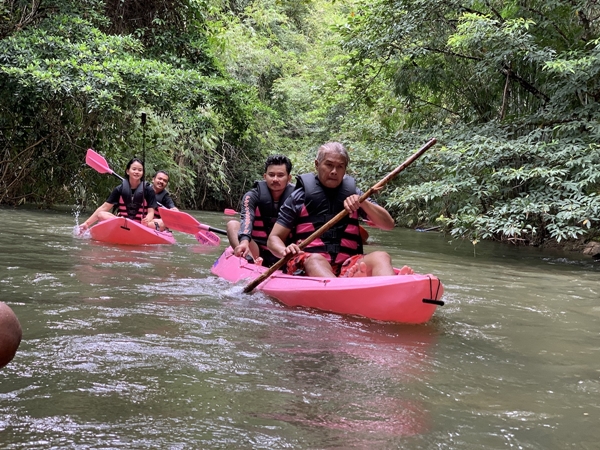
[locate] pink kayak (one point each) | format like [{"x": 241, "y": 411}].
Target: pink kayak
[
  {"x": 400, "y": 298},
  {"x": 121, "y": 230}
]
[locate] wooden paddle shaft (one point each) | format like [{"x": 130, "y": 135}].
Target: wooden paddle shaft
[{"x": 341, "y": 214}]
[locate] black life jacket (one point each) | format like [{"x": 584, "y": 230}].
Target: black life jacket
[
  {"x": 159, "y": 199},
  {"x": 265, "y": 213},
  {"x": 132, "y": 206},
  {"x": 343, "y": 239}
]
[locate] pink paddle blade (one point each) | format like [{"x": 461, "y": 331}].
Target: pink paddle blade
[
  {"x": 182, "y": 221},
  {"x": 179, "y": 221},
  {"x": 208, "y": 238},
  {"x": 97, "y": 162},
  {"x": 230, "y": 212}
]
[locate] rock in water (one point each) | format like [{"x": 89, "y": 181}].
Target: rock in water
[
  {"x": 10, "y": 334},
  {"x": 593, "y": 249}
]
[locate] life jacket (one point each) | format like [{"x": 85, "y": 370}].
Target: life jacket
[
  {"x": 132, "y": 206},
  {"x": 265, "y": 213},
  {"x": 343, "y": 239},
  {"x": 159, "y": 199}
]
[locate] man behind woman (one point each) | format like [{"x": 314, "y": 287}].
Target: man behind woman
[{"x": 163, "y": 198}]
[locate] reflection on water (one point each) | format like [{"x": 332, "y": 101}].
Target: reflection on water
[
  {"x": 353, "y": 377},
  {"x": 143, "y": 348}
]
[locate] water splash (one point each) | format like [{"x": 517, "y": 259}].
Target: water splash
[
  {"x": 78, "y": 189},
  {"x": 77, "y": 233},
  {"x": 81, "y": 200}
]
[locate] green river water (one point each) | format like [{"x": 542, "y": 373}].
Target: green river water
[{"x": 142, "y": 348}]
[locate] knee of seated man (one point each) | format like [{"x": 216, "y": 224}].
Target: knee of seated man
[
  {"x": 379, "y": 256},
  {"x": 315, "y": 259}
]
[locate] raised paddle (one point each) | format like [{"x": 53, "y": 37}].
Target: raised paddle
[
  {"x": 204, "y": 234},
  {"x": 230, "y": 212},
  {"x": 96, "y": 161},
  {"x": 375, "y": 188}
]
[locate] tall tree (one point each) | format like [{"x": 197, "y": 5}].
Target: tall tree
[{"x": 518, "y": 84}]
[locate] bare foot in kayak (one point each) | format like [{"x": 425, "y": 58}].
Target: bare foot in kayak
[
  {"x": 406, "y": 271},
  {"x": 358, "y": 270}
]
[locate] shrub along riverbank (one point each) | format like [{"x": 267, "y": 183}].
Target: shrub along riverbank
[{"x": 510, "y": 91}]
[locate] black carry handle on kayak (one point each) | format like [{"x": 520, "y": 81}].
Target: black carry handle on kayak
[{"x": 433, "y": 300}]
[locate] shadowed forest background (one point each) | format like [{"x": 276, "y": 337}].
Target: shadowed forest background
[{"x": 509, "y": 88}]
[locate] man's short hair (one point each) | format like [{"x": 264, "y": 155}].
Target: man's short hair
[
  {"x": 278, "y": 160},
  {"x": 161, "y": 171},
  {"x": 334, "y": 147}
]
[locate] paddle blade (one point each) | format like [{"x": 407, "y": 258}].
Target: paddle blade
[
  {"x": 230, "y": 212},
  {"x": 182, "y": 221},
  {"x": 97, "y": 162},
  {"x": 207, "y": 238},
  {"x": 179, "y": 221}
]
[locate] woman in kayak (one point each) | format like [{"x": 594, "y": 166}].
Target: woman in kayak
[{"x": 133, "y": 198}]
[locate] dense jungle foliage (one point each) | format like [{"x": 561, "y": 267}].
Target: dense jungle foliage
[{"x": 509, "y": 88}]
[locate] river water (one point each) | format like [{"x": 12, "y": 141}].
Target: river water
[{"x": 142, "y": 348}]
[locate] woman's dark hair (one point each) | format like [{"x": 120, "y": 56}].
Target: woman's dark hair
[
  {"x": 278, "y": 160},
  {"x": 131, "y": 161}
]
